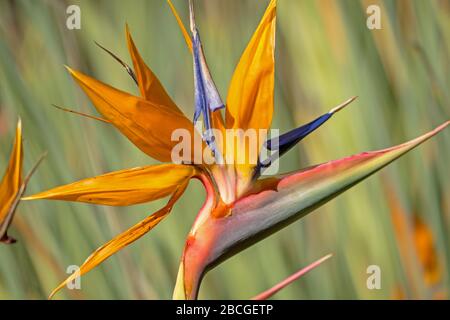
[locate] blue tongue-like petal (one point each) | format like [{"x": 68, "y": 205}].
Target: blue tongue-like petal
[
  {"x": 286, "y": 141},
  {"x": 207, "y": 97},
  {"x": 211, "y": 94}
]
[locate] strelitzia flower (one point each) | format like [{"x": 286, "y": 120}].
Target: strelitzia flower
[
  {"x": 13, "y": 186},
  {"x": 241, "y": 206}
]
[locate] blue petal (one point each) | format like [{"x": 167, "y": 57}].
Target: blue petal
[
  {"x": 207, "y": 98},
  {"x": 200, "y": 100},
  {"x": 286, "y": 141},
  {"x": 289, "y": 139},
  {"x": 212, "y": 96}
]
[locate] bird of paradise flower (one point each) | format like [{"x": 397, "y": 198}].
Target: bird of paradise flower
[{"x": 241, "y": 206}]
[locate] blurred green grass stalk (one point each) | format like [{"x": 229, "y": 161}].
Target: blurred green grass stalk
[{"x": 325, "y": 54}]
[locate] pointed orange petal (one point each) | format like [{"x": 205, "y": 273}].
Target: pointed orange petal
[
  {"x": 250, "y": 97},
  {"x": 251, "y": 92},
  {"x": 124, "y": 239},
  {"x": 12, "y": 179},
  {"x": 11, "y": 184},
  {"x": 139, "y": 120},
  {"x": 150, "y": 87},
  {"x": 186, "y": 35},
  {"x": 123, "y": 188}
]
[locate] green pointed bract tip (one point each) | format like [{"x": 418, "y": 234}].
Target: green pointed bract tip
[
  {"x": 274, "y": 203},
  {"x": 279, "y": 286}
]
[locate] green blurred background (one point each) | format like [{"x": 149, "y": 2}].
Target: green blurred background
[{"x": 398, "y": 219}]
